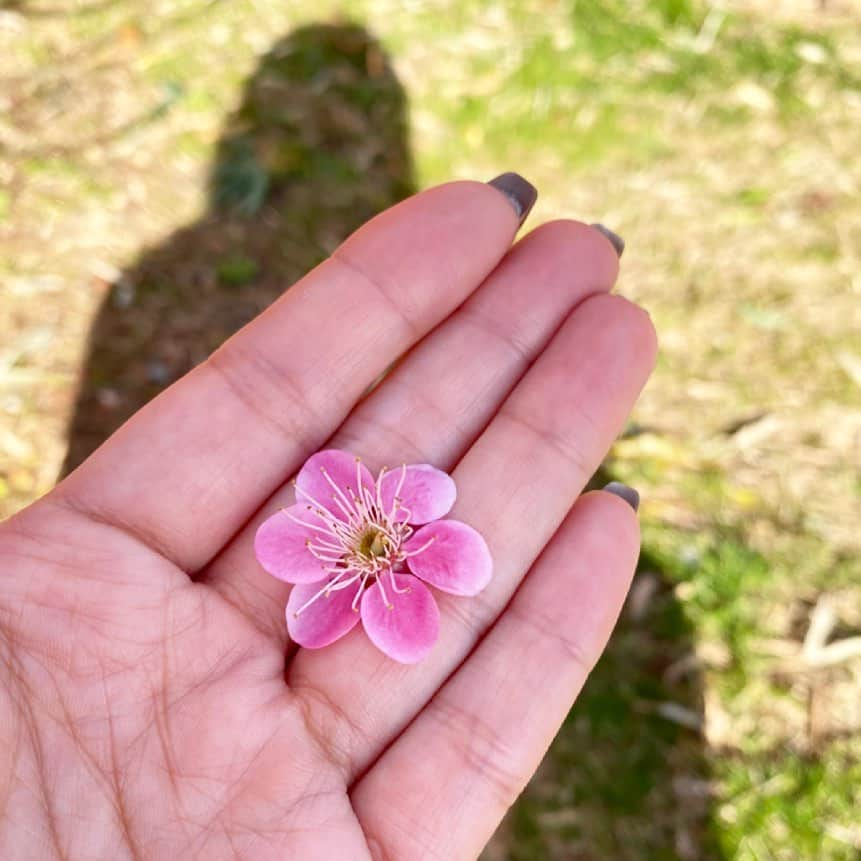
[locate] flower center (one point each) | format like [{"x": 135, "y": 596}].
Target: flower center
[
  {"x": 373, "y": 543},
  {"x": 360, "y": 547}
]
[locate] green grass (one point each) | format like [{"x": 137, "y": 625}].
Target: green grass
[
  {"x": 782, "y": 804},
  {"x": 604, "y": 79}
]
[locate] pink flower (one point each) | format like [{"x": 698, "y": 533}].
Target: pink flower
[{"x": 359, "y": 548}]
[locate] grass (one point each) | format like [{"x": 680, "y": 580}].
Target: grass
[{"x": 164, "y": 182}]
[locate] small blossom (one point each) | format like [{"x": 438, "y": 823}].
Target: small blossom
[{"x": 356, "y": 547}]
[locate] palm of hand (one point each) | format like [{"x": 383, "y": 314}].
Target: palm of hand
[
  {"x": 148, "y": 713},
  {"x": 163, "y": 706}
]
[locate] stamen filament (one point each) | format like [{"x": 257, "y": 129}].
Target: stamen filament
[
  {"x": 411, "y": 553},
  {"x": 310, "y": 601},
  {"x": 401, "y": 481},
  {"x": 348, "y": 512},
  {"x": 358, "y": 595},
  {"x": 312, "y": 526},
  {"x": 388, "y": 603},
  {"x": 394, "y": 585},
  {"x": 337, "y": 489}
]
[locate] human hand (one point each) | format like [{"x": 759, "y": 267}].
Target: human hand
[{"x": 146, "y": 711}]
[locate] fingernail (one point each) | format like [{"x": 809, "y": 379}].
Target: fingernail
[
  {"x": 615, "y": 240},
  {"x": 627, "y": 493},
  {"x": 520, "y": 193}
]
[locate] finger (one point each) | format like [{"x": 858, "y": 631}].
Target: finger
[
  {"x": 484, "y": 733},
  {"x": 445, "y": 391},
  {"x": 434, "y": 407},
  {"x": 515, "y": 485},
  {"x": 190, "y": 468}
]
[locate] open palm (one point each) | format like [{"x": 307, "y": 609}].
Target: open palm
[{"x": 147, "y": 710}]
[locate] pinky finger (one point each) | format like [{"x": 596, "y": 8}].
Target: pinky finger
[{"x": 443, "y": 787}]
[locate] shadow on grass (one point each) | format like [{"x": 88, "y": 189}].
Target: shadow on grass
[{"x": 318, "y": 146}]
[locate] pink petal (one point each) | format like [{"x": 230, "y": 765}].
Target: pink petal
[
  {"x": 341, "y": 468},
  {"x": 280, "y": 546},
  {"x": 408, "y": 630},
  {"x": 427, "y": 493},
  {"x": 458, "y": 560},
  {"x": 323, "y": 621}
]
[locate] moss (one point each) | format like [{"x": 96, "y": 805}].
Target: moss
[{"x": 237, "y": 270}]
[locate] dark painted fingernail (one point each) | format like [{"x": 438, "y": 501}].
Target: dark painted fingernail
[
  {"x": 615, "y": 240},
  {"x": 520, "y": 193},
  {"x": 627, "y": 493}
]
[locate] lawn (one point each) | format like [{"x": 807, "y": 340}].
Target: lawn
[{"x": 164, "y": 173}]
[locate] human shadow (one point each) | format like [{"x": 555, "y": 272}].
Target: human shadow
[{"x": 318, "y": 146}]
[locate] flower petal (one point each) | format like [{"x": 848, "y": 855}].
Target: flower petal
[
  {"x": 427, "y": 493},
  {"x": 458, "y": 560},
  {"x": 311, "y": 482},
  {"x": 407, "y": 627},
  {"x": 280, "y": 546},
  {"x": 323, "y": 621}
]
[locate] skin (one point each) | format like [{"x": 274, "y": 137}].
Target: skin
[{"x": 146, "y": 711}]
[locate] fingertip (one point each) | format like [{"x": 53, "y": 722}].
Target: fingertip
[
  {"x": 623, "y": 491},
  {"x": 583, "y": 249},
  {"x": 626, "y": 328},
  {"x": 645, "y": 333},
  {"x": 518, "y": 191},
  {"x": 458, "y": 231},
  {"x": 614, "y": 522},
  {"x": 612, "y": 237},
  {"x": 470, "y": 195}
]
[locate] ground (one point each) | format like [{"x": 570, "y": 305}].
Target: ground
[{"x": 164, "y": 174}]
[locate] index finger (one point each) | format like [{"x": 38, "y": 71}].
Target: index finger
[{"x": 190, "y": 468}]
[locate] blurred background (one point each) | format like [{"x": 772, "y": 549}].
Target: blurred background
[{"x": 166, "y": 169}]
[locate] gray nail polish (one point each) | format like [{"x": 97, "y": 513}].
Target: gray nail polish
[
  {"x": 615, "y": 240},
  {"x": 520, "y": 193},
  {"x": 627, "y": 493}
]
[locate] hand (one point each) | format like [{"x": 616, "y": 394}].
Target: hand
[{"x": 146, "y": 711}]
